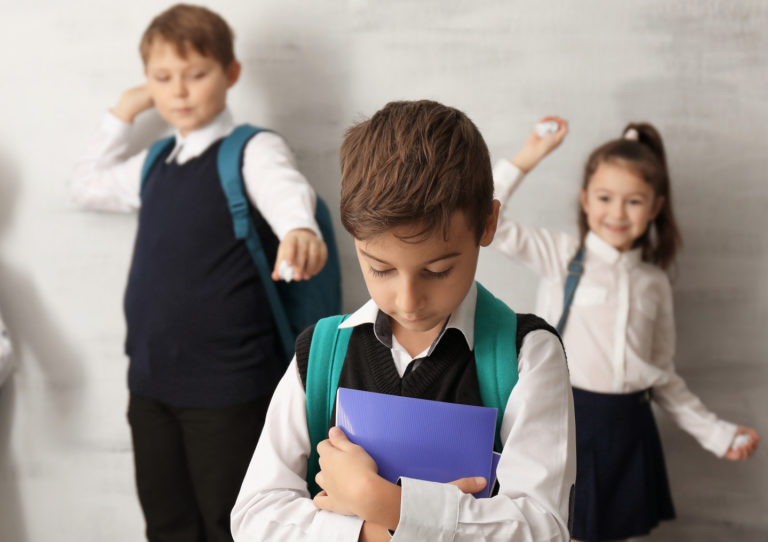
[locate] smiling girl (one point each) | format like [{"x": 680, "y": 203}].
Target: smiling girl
[{"x": 620, "y": 332}]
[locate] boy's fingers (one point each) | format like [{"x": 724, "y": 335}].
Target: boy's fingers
[
  {"x": 313, "y": 258},
  {"x": 286, "y": 250},
  {"x": 300, "y": 258},
  {"x": 338, "y": 439},
  {"x": 470, "y": 485}
]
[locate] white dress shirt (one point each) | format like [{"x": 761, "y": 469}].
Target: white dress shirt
[
  {"x": 5, "y": 353},
  {"x": 620, "y": 334},
  {"x": 535, "y": 472},
  {"x": 105, "y": 180}
]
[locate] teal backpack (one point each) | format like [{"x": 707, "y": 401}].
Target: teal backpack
[
  {"x": 294, "y": 305},
  {"x": 495, "y": 361}
]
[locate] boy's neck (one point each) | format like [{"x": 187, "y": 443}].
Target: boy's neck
[{"x": 415, "y": 342}]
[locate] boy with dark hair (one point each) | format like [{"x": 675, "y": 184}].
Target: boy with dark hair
[
  {"x": 417, "y": 195},
  {"x": 203, "y": 346}
]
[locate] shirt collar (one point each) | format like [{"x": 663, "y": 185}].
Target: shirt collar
[
  {"x": 198, "y": 141},
  {"x": 609, "y": 254},
  {"x": 463, "y": 319}
]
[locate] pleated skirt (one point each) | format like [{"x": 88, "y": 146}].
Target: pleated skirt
[{"x": 621, "y": 483}]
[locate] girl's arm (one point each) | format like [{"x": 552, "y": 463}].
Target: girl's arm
[
  {"x": 546, "y": 253},
  {"x": 678, "y": 401},
  {"x": 5, "y": 353}
]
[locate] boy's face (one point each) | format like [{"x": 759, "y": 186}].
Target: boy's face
[
  {"x": 418, "y": 285},
  {"x": 187, "y": 92}
]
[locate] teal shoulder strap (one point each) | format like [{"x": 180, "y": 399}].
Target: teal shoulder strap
[
  {"x": 154, "y": 152},
  {"x": 326, "y": 358},
  {"x": 495, "y": 353},
  {"x": 229, "y": 163}
]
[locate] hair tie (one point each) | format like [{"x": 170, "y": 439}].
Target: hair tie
[{"x": 632, "y": 135}]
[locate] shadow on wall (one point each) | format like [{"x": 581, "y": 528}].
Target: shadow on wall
[{"x": 48, "y": 401}]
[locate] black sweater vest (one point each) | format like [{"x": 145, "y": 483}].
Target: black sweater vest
[
  {"x": 447, "y": 374},
  {"x": 200, "y": 332}
]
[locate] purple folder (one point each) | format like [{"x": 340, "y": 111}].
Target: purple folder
[{"x": 417, "y": 438}]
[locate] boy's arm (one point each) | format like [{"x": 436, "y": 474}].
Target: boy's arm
[
  {"x": 536, "y": 471},
  {"x": 286, "y": 201},
  {"x": 274, "y": 503},
  {"x": 103, "y": 179}
]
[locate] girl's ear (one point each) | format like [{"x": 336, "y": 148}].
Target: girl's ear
[
  {"x": 490, "y": 225},
  {"x": 657, "y": 206}
]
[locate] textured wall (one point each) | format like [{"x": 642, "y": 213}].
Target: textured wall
[{"x": 697, "y": 69}]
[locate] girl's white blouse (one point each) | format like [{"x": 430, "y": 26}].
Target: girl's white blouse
[{"x": 620, "y": 334}]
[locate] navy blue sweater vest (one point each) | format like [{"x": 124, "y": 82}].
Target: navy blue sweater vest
[
  {"x": 200, "y": 332},
  {"x": 447, "y": 374}
]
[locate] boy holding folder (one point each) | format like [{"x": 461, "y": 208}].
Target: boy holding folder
[{"x": 417, "y": 196}]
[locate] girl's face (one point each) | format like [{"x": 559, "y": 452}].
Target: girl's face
[{"x": 619, "y": 205}]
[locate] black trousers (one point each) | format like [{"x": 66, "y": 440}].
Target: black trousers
[{"x": 190, "y": 463}]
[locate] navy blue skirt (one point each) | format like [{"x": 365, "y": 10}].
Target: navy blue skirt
[{"x": 621, "y": 482}]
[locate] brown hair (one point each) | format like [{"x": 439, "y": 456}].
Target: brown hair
[
  {"x": 414, "y": 163},
  {"x": 645, "y": 156},
  {"x": 185, "y": 25}
]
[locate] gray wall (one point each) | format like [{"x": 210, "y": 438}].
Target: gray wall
[{"x": 697, "y": 69}]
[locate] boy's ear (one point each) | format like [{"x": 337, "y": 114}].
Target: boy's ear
[
  {"x": 233, "y": 73},
  {"x": 490, "y": 225}
]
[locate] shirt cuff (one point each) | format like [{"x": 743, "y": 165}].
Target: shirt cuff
[
  {"x": 114, "y": 126},
  {"x": 428, "y": 511},
  {"x": 506, "y": 178},
  {"x": 721, "y": 438},
  {"x": 330, "y": 527}
]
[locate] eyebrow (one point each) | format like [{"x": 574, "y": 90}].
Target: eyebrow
[{"x": 444, "y": 257}]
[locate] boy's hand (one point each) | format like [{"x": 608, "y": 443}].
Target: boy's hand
[
  {"x": 373, "y": 532},
  {"x": 132, "y": 102},
  {"x": 536, "y": 148},
  {"x": 347, "y": 474},
  {"x": 743, "y": 452},
  {"x": 303, "y": 250}
]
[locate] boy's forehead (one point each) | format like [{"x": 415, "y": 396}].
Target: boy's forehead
[
  {"x": 161, "y": 49},
  {"x": 413, "y": 239}
]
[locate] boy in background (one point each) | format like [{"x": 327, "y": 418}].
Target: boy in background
[
  {"x": 203, "y": 348},
  {"x": 417, "y": 196}
]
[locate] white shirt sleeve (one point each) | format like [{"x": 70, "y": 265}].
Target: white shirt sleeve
[
  {"x": 545, "y": 252},
  {"x": 536, "y": 471},
  {"x": 5, "y": 353},
  {"x": 674, "y": 396},
  {"x": 103, "y": 179},
  {"x": 277, "y": 189},
  {"x": 274, "y": 502}
]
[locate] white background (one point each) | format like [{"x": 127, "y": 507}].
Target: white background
[{"x": 697, "y": 69}]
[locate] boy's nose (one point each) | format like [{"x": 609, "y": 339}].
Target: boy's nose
[
  {"x": 410, "y": 297},
  {"x": 180, "y": 88}
]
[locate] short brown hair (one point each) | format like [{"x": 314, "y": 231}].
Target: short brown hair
[
  {"x": 185, "y": 25},
  {"x": 414, "y": 163},
  {"x": 643, "y": 153}
]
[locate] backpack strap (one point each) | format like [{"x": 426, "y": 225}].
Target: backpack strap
[
  {"x": 155, "y": 150},
  {"x": 326, "y": 358},
  {"x": 575, "y": 270},
  {"x": 229, "y": 163},
  {"x": 495, "y": 353}
]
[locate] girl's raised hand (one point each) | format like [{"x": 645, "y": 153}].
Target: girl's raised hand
[
  {"x": 537, "y": 147},
  {"x": 740, "y": 453}
]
